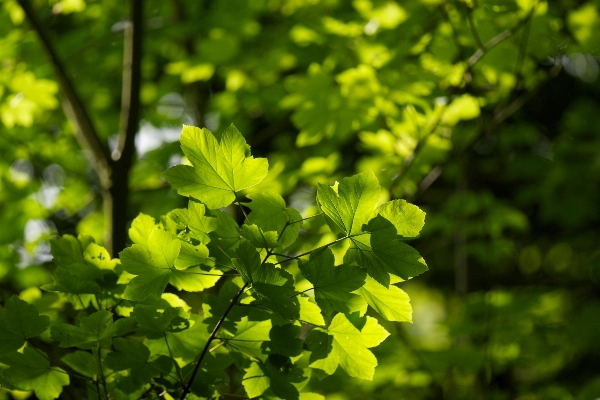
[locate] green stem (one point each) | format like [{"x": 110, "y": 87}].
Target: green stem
[
  {"x": 322, "y": 247},
  {"x": 100, "y": 371},
  {"x": 174, "y": 362},
  {"x": 212, "y": 336}
]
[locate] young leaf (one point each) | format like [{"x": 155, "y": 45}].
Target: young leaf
[
  {"x": 346, "y": 346},
  {"x": 225, "y": 239},
  {"x": 310, "y": 312},
  {"x": 269, "y": 213},
  {"x": 273, "y": 286},
  {"x": 97, "y": 328},
  {"x": 19, "y": 321},
  {"x": 131, "y": 355},
  {"x": 195, "y": 220},
  {"x": 391, "y": 303},
  {"x": 154, "y": 324},
  {"x": 350, "y": 205},
  {"x": 382, "y": 255},
  {"x": 219, "y": 169},
  {"x": 258, "y": 238},
  {"x": 152, "y": 265},
  {"x": 249, "y": 336},
  {"x": 140, "y": 230},
  {"x": 83, "y": 362},
  {"x": 30, "y": 370},
  {"x": 194, "y": 279},
  {"x": 333, "y": 286},
  {"x": 284, "y": 340},
  {"x": 397, "y": 217},
  {"x": 255, "y": 381}
]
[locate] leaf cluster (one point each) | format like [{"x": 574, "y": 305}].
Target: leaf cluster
[{"x": 136, "y": 337}]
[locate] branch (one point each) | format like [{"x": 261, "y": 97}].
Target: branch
[
  {"x": 85, "y": 132},
  {"x": 132, "y": 77},
  {"x": 498, "y": 39},
  {"x": 212, "y": 336}
]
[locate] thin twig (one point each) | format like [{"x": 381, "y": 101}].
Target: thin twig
[{"x": 188, "y": 387}]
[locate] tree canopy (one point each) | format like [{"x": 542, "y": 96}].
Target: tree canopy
[{"x": 481, "y": 114}]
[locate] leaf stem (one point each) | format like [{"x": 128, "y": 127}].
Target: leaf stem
[
  {"x": 212, "y": 336},
  {"x": 101, "y": 371},
  {"x": 307, "y": 218},
  {"x": 242, "y": 208},
  {"x": 174, "y": 362},
  {"x": 322, "y": 247}
]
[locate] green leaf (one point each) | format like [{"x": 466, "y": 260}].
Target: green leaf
[
  {"x": 219, "y": 169},
  {"x": 66, "y": 250},
  {"x": 185, "y": 344},
  {"x": 269, "y": 213},
  {"x": 284, "y": 340},
  {"x": 249, "y": 336},
  {"x": 310, "y": 312},
  {"x": 258, "y": 238},
  {"x": 391, "y": 303},
  {"x": 152, "y": 265},
  {"x": 382, "y": 255},
  {"x": 95, "y": 329},
  {"x": 30, "y": 370},
  {"x": 350, "y": 204},
  {"x": 154, "y": 324},
  {"x": 197, "y": 224},
  {"x": 225, "y": 239},
  {"x": 192, "y": 256},
  {"x": 76, "y": 278},
  {"x": 397, "y": 217},
  {"x": 19, "y": 321},
  {"x": 333, "y": 286},
  {"x": 82, "y": 362},
  {"x": 195, "y": 279},
  {"x": 273, "y": 286},
  {"x": 255, "y": 381},
  {"x": 346, "y": 346},
  {"x": 141, "y": 228},
  {"x": 134, "y": 356}
]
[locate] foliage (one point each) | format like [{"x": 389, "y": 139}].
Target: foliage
[
  {"x": 133, "y": 338},
  {"x": 482, "y": 113}
]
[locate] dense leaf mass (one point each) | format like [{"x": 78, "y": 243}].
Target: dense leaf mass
[{"x": 148, "y": 337}]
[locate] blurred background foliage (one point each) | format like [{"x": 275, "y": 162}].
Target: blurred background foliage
[{"x": 485, "y": 113}]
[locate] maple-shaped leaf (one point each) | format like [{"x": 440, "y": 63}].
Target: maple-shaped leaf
[
  {"x": 350, "y": 204},
  {"x": 391, "y": 303},
  {"x": 220, "y": 169},
  {"x": 225, "y": 239},
  {"x": 154, "y": 324},
  {"x": 276, "y": 374},
  {"x": 19, "y": 321},
  {"x": 96, "y": 329},
  {"x": 333, "y": 286},
  {"x": 346, "y": 345},
  {"x": 397, "y": 217},
  {"x": 152, "y": 265},
  {"x": 195, "y": 221},
  {"x": 249, "y": 336},
  {"x": 273, "y": 286},
  {"x": 381, "y": 254},
  {"x": 310, "y": 312},
  {"x": 212, "y": 372},
  {"x": 83, "y": 362},
  {"x": 31, "y": 370},
  {"x": 184, "y": 344},
  {"x": 259, "y": 238},
  {"x": 134, "y": 356},
  {"x": 270, "y": 214},
  {"x": 82, "y": 267},
  {"x": 141, "y": 228}
]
